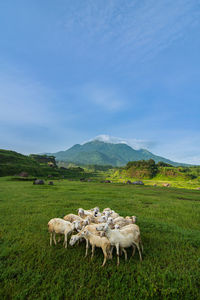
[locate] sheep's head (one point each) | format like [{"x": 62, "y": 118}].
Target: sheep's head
[
  {"x": 80, "y": 211},
  {"x": 106, "y": 209},
  {"x": 96, "y": 209},
  {"x": 103, "y": 219},
  {"x": 102, "y": 234},
  {"x": 110, "y": 220},
  {"x": 116, "y": 227},
  {"x": 134, "y": 219},
  {"x": 107, "y": 213},
  {"x": 102, "y": 227},
  {"x": 77, "y": 225},
  {"x": 86, "y": 222},
  {"x": 74, "y": 239},
  {"x": 85, "y": 232},
  {"x": 95, "y": 213}
]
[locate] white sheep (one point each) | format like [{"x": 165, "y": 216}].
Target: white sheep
[
  {"x": 77, "y": 237},
  {"x": 106, "y": 209},
  {"x": 84, "y": 213},
  {"x": 96, "y": 211},
  {"x": 72, "y": 217},
  {"x": 114, "y": 214},
  {"x": 93, "y": 229},
  {"x": 133, "y": 219},
  {"x": 98, "y": 220},
  {"x": 60, "y": 226},
  {"x": 123, "y": 221},
  {"x": 97, "y": 241},
  {"x": 123, "y": 238},
  {"x": 79, "y": 225}
]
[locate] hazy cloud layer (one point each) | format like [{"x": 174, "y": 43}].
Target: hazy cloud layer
[{"x": 134, "y": 143}]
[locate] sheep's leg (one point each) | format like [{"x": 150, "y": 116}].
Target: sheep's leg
[
  {"x": 54, "y": 238},
  {"x": 51, "y": 236},
  {"x": 141, "y": 245},
  {"x": 86, "y": 249},
  {"x": 125, "y": 253},
  {"x": 108, "y": 251},
  {"x": 138, "y": 247},
  {"x": 65, "y": 241},
  {"x": 105, "y": 255},
  {"x": 133, "y": 253},
  {"x": 111, "y": 250},
  {"x": 117, "y": 249},
  {"x": 59, "y": 239},
  {"x": 93, "y": 248}
]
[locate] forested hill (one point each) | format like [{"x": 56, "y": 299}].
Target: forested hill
[{"x": 102, "y": 153}]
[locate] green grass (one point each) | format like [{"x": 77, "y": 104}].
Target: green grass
[{"x": 31, "y": 269}]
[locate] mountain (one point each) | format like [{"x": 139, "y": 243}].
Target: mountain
[{"x": 103, "y": 153}]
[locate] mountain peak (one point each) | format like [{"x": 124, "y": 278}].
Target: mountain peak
[{"x": 106, "y": 150}]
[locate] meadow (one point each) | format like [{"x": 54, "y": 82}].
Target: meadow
[{"x": 169, "y": 220}]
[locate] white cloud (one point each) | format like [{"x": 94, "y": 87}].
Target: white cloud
[
  {"x": 106, "y": 98},
  {"x": 134, "y": 30},
  {"x": 134, "y": 143}
]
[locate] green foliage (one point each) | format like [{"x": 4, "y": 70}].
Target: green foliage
[
  {"x": 163, "y": 164},
  {"x": 149, "y": 169},
  {"x": 43, "y": 158},
  {"x": 31, "y": 269},
  {"x": 142, "y": 168},
  {"x": 13, "y": 163}
]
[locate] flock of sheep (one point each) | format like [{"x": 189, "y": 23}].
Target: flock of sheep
[{"x": 106, "y": 229}]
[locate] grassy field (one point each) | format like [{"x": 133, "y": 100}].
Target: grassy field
[{"x": 169, "y": 221}]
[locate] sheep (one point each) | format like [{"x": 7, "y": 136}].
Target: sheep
[
  {"x": 106, "y": 209},
  {"x": 72, "y": 218},
  {"x": 114, "y": 214},
  {"x": 75, "y": 238},
  {"x": 97, "y": 241},
  {"x": 93, "y": 229},
  {"x": 60, "y": 226},
  {"x": 133, "y": 219},
  {"x": 123, "y": 238},
  {"x": 84, "y": 213},
  {"x": 107, "y": 213},
  {"x": 96, "y": 211},
  {"x": 98, "y": 220},
  {"x": 79, "y": 224},
  {"x": 123, "y": 221}
]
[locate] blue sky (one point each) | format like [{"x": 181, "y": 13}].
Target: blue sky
[{"x": 73, "y": 70}]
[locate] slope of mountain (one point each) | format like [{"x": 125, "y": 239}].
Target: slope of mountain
[
  {"x": 14, "y": 163},
  {"x": 102, "y": 153}
]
